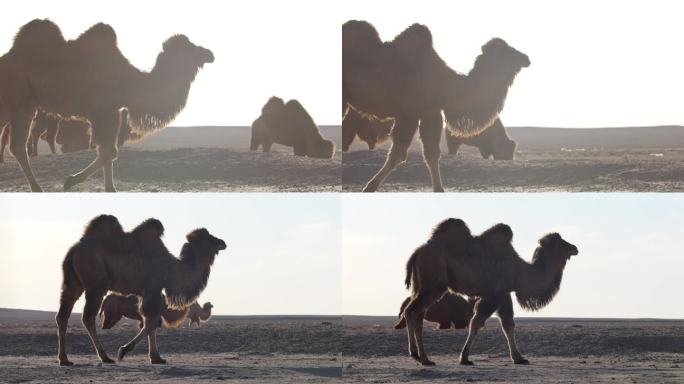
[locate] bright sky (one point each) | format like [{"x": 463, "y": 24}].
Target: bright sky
[
  {"x": 594, "y": 63},
  {"x": 283, "y": 253},
  {"x": 262, "y": 48},
  {"x": 629, "y": 265}
]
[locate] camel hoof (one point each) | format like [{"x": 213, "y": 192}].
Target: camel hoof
[
  {"x": 369, "y": 188},
  {"x": 466, "y": 362},
  {"x": 65, "y": 363},
  {"x": 121, "y": 354},
  {"x": 427, "y": 363},
  {"x": 438, "y": 189},
  {"x": 69, "y": 182},
  {"x": 107, "y": 360},
  {"x": 157, "y": 360},
  {"x": 414, "y": 356},
  {"x": 521, "y": 361}
]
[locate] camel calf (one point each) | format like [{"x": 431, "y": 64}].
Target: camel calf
[
  {"x": 492, "y": 142},
  {"x": 450, "y": 310},
  {"x": 198, "y": 314},
  {"x": 370, "y": 131}
]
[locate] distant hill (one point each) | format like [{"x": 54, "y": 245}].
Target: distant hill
[{"x": 670, "y": 136}]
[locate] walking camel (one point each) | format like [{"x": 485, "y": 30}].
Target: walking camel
[
  {"x": 132, "y": 263},
  {"x": 90, "y": 78},
  {"x": 485, "y": 266},
  {"x": 405, "y": 79}
]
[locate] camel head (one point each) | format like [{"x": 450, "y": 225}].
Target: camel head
[
  {"x": 207, "y": 306},
  {"x": 554, "y": 246},
  {"x": 322, "y": 150},
  {"x": 180, "y": 50},
  {"x": 203, "y": 246},
  {"x": 548, "y": 263},
  {"x": 498, "y": 51}
]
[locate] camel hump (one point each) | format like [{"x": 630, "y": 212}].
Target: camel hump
[
  {"x": 98, "y": 36},
  {"x": 38, "y": 36},
  {"x": 499, "y": 231},
  {"x": 299, "y": 115},
  {"x": 360, "y": 40},
  {"x": 274, "y": 104},
  {"x": 414, "y": 40}
]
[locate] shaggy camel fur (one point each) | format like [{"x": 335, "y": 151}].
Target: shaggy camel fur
[
  {"x": 289, "y": 124},
  {"x": 90, "y": 78},
  {"x": 369, "y": 130},
  {"x": 405, "y": 79},
  {"x": 114, "y": 307},
  {"x": 450, "y": 311},
  {"x": 198, "y": 314},
  {"x": 484, "y": 266},
  {"x": 132, "y": 263},
  {"x": 492, "y": 142}
]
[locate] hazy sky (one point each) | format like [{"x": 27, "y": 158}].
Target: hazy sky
[
  {"x": 594, "y": 63},
  {"x": 262, "y": 48},
  {"x": 630, "y": 258},
  {"x": 283, "y": 253}
]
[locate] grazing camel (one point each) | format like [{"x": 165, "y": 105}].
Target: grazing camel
[
  {"x": 198, "y": 314},
  {"x": 449, "y": 311},
  {"x": 492, "y": 142},
  {"x": 405, "y": 79},
  {"x": 132, "y": 263},
  {"x": 90, "y": 78},
  {"x": 114, "y": 307},
  {"x": 289, "y": 124},
  {"x": 369, "y": 130},
  {"x": 485, "y": 266}
]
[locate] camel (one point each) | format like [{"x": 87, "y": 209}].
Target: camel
[
  {"x": 405, "y": 79},
  {"x": 90, "y": 78},
  {"x": 492, "y": 142},
  {"x": 450, "y": 311},
  {"x": 289, "y": 124},
  {"x": 132, "y": 263},
  {"x": 198, "y": 314},
  {"x": 369, "y": 130},
  {"x": 114, "y": 307},
  {"x": 487, "y": 267}
]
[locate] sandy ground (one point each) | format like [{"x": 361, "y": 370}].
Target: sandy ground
[
  {"x": 632, "y": 159},
  {"x": 226, "y": 349},
  {"x": 560, "y": 351},
  {"x": 191, "y": 159}
]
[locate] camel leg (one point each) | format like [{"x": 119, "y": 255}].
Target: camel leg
[
  {"x": 109, "y": 320},
  {"x": 20, "y": 124},
  {"x": 414, "y": 315},
  {"x": 4, "y": 138},
  {"x": 255, "y": 140},
  {"x": 402, "y": 135},
  {"x": 106, "y": 138},
  {"x": 348, "y": 134},
  {"x": 505, "y": 313},
  {"x": 70, "y": 293},
  {"x": 266, "y": 146},
  {"x": 52, "y": 137},
  {"x": 484, "y": 308},
  {"x": 151, "y": 310},
  {"x": 430, "y": 135},
  {"x": 453, "y": 143},
  {"x": 92, "y": 306}
]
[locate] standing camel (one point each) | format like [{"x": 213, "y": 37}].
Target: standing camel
[
  {"x": 90, "y": 78},
  {"x": 405, "y": 79},
  {"x": 198, "y": 314},
  {"x": 485, "y": 266},
  {"x": 132, "y": 263}
]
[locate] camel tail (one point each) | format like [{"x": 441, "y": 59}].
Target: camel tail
[
  {"x": 409, "y": 269},
  {"x": 69, "y": 276}
]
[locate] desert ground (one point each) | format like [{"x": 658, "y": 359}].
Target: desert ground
[
  {"x": 226, "y": 349},
  {"x": 637, "y": 159},
  {"x": 559, "y": 350},
  {"x": 189, "y": 159}
]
